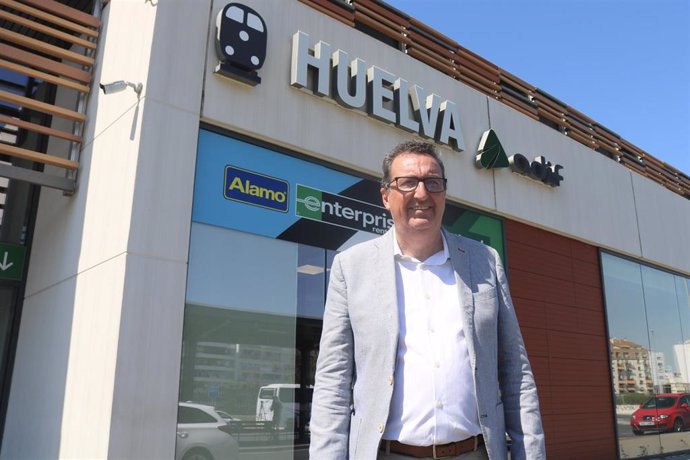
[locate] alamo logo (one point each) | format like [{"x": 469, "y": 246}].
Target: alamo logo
[{"x": 256, "y": 189}]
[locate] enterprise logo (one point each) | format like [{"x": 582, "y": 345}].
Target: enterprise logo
[
  {"x": 339, "y": 210},
  {"x": 256, "y": 189}
]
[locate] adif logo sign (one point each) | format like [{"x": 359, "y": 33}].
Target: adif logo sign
[
  {"x": 241, "y": 37},
  {"x": 492, "y": 155},
  {"x": 339, "y": 210}
]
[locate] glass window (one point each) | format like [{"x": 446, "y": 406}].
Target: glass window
[
  {"x": 648, "y": 312},
  {"x": 265, "y": 230},
  {"x": 192, "y": 415}
]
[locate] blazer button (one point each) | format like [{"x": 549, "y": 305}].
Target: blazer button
[
  {"x": 390, "y": 380},
  {"x": 380, "y": 427}
]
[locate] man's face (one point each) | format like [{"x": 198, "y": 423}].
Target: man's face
[{"x": 417, "y": 210}]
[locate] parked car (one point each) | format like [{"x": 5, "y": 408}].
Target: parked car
[
  {"x": 663, "y": 412},
  {"x": 288, "y": 400},
  {"x": 227, "y": 417},
  {"x": 203, "y": 434}
]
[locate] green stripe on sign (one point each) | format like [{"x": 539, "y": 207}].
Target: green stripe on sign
[{"x": 308, "y": 202}]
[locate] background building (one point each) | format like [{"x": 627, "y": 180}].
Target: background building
[{"x": 631, "y": 369}]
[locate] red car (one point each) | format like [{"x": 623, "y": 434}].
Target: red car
[{"x": 664, "y": 412}]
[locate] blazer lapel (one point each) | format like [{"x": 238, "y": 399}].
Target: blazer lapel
[
  {"x": 460, "y": 259},
  {"x": 384, "y": 284}
]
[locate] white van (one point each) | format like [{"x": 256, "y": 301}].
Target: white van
[{"x": 284, "y": 398}]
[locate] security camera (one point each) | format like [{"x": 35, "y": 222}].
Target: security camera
[{"x": 121, "y": 85}]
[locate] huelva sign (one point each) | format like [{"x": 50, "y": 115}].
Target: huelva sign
[{"x": 383, "y": 95}]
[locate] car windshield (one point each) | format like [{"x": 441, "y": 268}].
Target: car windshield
[
  {"x": 660, "y": 403},
  {"x": 267, "y": 393}
]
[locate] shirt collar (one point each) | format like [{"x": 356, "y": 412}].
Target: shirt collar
[{"x": 439, "y": 258}]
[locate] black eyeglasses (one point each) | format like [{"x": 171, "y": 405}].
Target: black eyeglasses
[{"x": 410, "y": 183}]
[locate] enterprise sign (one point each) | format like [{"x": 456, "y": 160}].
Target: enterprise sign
[
  {"x": 322, "y": 206},
  {"x": 384, "y": 96}
]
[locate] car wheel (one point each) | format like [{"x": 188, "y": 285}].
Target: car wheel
[
  {"x": 197, "y": 454},
  {"x": 678, "y": 425},
  {"x": 637, "y": 432}
]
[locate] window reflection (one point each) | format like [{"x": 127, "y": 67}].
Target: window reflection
[
  {"x": 648, "y": 312},
  {"x": 250, "y": 341}
]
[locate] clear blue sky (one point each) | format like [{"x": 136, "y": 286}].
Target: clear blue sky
[{"x": 623, "y": 63}]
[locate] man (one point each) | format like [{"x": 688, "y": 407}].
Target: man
[{"x": 421, "y": 354}]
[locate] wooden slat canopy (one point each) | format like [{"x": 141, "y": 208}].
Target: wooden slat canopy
[
  {"x": 50, "y": 42},
  {"x": 442, "y": 53}
]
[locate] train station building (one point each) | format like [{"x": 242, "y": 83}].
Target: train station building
[{"x": 178, "y": 176}]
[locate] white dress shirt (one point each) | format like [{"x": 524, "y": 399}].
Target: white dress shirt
[{"x": 433, "y": 401}]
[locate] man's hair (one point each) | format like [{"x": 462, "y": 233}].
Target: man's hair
[{"x": 418, "y": 147}]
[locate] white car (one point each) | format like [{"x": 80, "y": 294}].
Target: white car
[{"x": 203, "y": 434}]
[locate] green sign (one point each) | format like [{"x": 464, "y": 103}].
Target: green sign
[
  {"x": 479, "y": 227},
  {"x": 490, "y": 153},
  {"x": 11, "y": 261}
]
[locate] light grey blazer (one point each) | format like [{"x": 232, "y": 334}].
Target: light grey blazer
[{"x": 356, "y": 363}]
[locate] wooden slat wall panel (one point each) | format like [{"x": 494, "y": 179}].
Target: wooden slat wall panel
[
  {"x": 328, "y": 9},
  {"x": 65, "y": 12},
  {"x": 41, "y": 106},
  {"x": 465, "y": 64},
  {"x": 43, "y": 76},
  {"x": 15, "y": 5},
  {"x": 445, "y": 55},
  {"x": 468, "y": 73},
  {"x": 31, "y": 24},
  {"x": 41, "y": 63},
  {"x": 450, "y": 43},
  {"x": 430, "y": 59},
  {"x": 43, "y": 47},
  {"x": 38, "y": 157},
  {"x": 381, "y": 11},
  {"x": 43, "y": 56},
  {"x": 425, "y": 45},
  {"x": 38, "y": 128},
  {"x": 517, "y": 104}
]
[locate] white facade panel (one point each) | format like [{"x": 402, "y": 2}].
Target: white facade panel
[
  {"x": 161, "y": 209},
  {"x": 91, "y": 361},
  {"x": 145, "y": 384},
  {"x": 41, "y": 368},
  {"x": 664, "y": 221},
  {"x": 177, "y": 54},
  {"x": 594, "y": 202}
]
